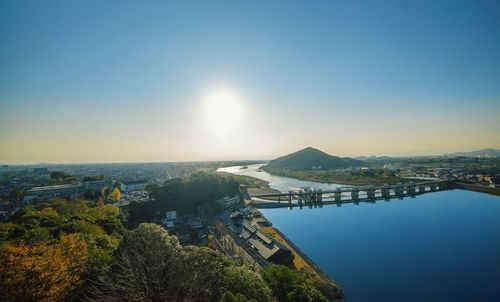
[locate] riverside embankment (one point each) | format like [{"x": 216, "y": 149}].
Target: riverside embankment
[
  {"x": 415, "y": 240},
  {"x": 476, "y": 188},
  {"x": 303, "y": 263}
]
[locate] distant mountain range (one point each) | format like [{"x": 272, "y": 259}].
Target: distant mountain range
[
  {"x": 479, "y": 153},
  {"x": 485, "y": 153},
  {"x": 312, "y": 159}
]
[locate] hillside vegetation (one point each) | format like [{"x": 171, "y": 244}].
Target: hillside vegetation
[
  {"x": 311, "y": 159},
  {"x": 80, "y": 251},
  {"x": 189, "y": 195},
  {"x": 314, "y": 165}
]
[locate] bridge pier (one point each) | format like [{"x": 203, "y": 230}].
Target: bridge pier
[
  {"x": 370, "y": 193},
  {"x": 307, "y": 197},
  {"x": 399, "y": 191},
  {"x": 386, "y": 192},
  {"x": 314, "y": 197},
  {"x": 410, "y": 189},
  {"x": 354, "y": 195},
  {"x": 338, "y": 196}
]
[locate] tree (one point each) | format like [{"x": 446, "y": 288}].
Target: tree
[
  {"x": 151, "y": 265},
  {"x": 105, "y": 192},
  {"x": 290, "y": 285},
  {"x": 93, "y": 178},
  {"x": 139, "y": 212},
  {"x": 17, "y": 194},
  {"x": 43, "y": 271},
  {"x": 241, "y": 282},
  {"x": 189, "y": 195},
  {"x": 115, "y": 195},
  {"x": 58, "y": 175},
  {"x": 100, "y": 202},
  {"x": 230, "y": 297}
]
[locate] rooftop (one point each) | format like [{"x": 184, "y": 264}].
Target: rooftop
[{"x": 55, "y": 187}]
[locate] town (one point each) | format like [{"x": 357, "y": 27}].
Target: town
[{"x": 21, "y": 185}]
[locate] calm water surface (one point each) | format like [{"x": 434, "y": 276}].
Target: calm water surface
[
  {"x": 277, "y": 182},
  {"x": 442, "y": 246}
]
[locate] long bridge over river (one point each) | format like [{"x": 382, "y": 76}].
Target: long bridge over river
[{"x": 355, "y": 194}]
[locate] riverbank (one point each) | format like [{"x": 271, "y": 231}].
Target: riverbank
[
  {"x": 303, "y": 263},
  {"x": 341, "y": 177},
  {"x": 249, "y": 181},
  {"x": 476, "y": 188}
]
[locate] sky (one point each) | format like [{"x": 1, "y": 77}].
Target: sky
[{"x": 133, "y": 81}]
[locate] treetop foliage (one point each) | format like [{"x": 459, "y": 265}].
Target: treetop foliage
[
  {"x": 79, "y": 251},
  {"x": 185, "y": 195},
  {"x": 151, "y": 265},
  {"x": 46, "y": 272}
]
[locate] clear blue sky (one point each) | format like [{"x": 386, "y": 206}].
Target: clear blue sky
[{"x": 123, "y": 80}]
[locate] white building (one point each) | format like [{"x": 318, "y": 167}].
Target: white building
[
  {"x": 169, "y": 220},
  {"x": 133, "y": 185},
  {"x": 229, "y": 203}
]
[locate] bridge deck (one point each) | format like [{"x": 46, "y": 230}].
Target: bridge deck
[{"x": 352, "y": 189}]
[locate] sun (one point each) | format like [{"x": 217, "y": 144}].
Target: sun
[{"x": 222, "y": 111}]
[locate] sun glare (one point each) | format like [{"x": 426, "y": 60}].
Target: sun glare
[{"x": 222, "y": 111}]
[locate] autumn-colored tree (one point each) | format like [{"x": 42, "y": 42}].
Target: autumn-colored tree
[
  {"x": 116, "y": 194},
  {"x": 43, "y": 271},
  {"x": 100, "y": 202}
]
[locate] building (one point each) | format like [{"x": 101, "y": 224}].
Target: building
[
  {"x": 133, "y": 185},
  {"x": 237, "y": 217},
  {"x": 225, "y": 218},
  {"x": 96, "y": 186},
  {"x": 70, "y": 191},
  {"x": 169, "y": 220},
  {"x": 195, "y": 223},
  {"x": 229, "y": 203},
  {"x": 267, "y": 247}
]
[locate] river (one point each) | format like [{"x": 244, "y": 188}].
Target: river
[{"x": 441, "y": 246}]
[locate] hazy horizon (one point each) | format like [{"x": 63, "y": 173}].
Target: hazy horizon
[
  {"x": 240, "y": 159},
  {"x": 120, "y": 81}
]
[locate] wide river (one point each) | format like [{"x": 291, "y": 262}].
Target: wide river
[{"x": 442, "y": 246}]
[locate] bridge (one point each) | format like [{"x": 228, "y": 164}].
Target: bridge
[{"x": 312, "y": 196}]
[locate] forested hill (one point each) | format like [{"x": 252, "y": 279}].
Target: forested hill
[{"x": 312, "y": 159}]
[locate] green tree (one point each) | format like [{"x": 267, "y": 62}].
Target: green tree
[
  {"x": 151, "y": 265},
  {"x": 58, "y": 175},
  {"x": 243, "y": 283},
  {"x": 17, "y": 194},
  {"x": 290, "y": 285}
]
